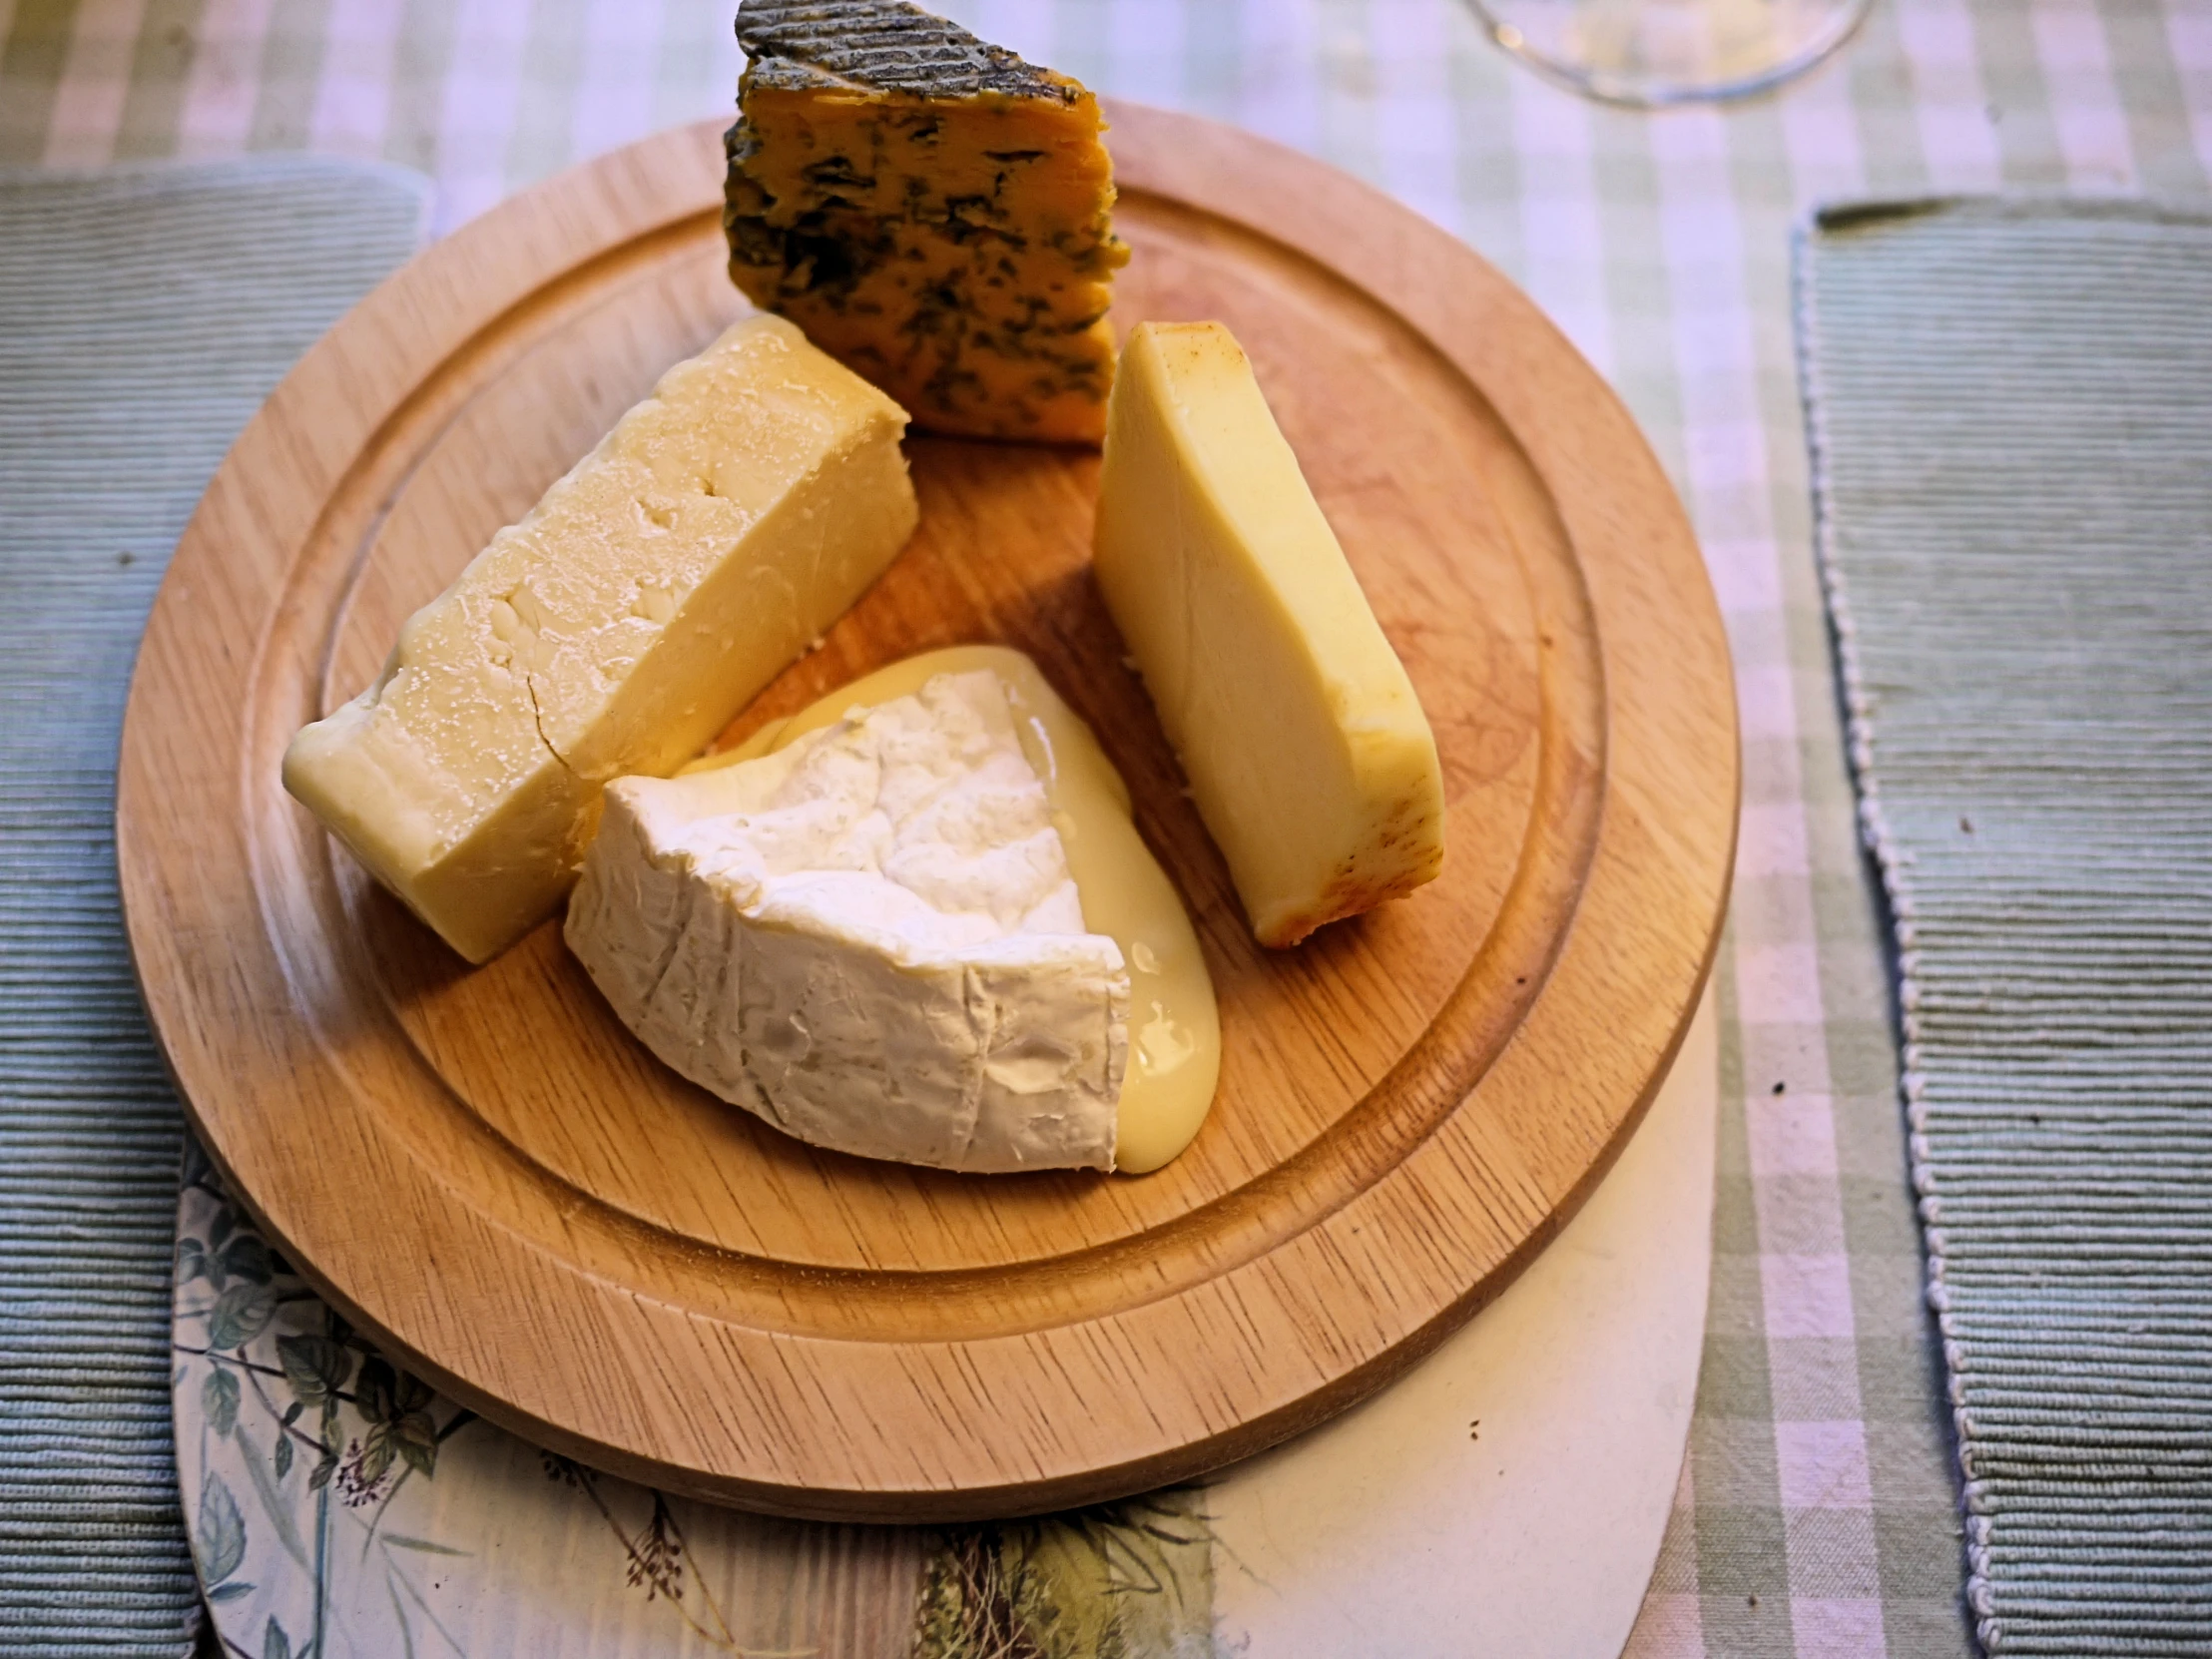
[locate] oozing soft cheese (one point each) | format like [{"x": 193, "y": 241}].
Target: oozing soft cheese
[
  {"x": 932, "y": 210},
  {"x": 871, "y": 937},
  {"x": 716, "y": 530},
  {"x": 1309, "y": 756},
  {"x": 1175, "y": 1029}
]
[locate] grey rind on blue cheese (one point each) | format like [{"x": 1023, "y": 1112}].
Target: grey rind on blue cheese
[{"x": 884, "y": 45}]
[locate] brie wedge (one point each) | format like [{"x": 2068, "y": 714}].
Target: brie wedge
[
  {"x": 913, "y": 922},
  {"x": 1175, "y": 1026},
  {"x": 1309, "y": 756},
  {"x": 721, "y": 526}
]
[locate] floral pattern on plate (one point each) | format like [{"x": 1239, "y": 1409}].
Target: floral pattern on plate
[{"x": 340, "y": 1508}]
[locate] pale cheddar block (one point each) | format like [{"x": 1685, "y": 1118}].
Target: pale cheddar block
[
  {"x": 1307, "y": 749},
  {"x": 722, "y": 525}
]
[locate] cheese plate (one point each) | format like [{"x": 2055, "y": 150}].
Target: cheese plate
[{"x": 482, "y": 1168}]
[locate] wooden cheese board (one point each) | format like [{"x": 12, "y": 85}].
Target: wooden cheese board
[{"x": 482, "y": 1168}]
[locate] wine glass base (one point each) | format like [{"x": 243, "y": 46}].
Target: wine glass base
[{"x": 1651, "y": 52}]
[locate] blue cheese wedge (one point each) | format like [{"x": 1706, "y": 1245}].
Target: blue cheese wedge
[
  {"x": 713, "y": 534},
  {"x": 871, "y": 937},
  {"x": 931, "y": 209}
]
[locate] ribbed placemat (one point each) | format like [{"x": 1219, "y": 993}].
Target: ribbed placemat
[
  {"x": 143, "y": 315},
  {"x": 2011, "y": 413}
]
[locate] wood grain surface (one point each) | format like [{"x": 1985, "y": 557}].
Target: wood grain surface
[{"x": 481, "y": 1168}]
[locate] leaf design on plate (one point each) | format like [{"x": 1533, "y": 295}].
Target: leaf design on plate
[
  {"x": 417, "y": 1436},
  {"x": 316, "y": 1367},
  {"x": 400, "y": 1540},
  {"x": 376, "y": 1455},
  {"x": 219, "y": 1398},
  {"x": 192, "y": 1260},
  {"x": 246, "y": 1256},
  {"x": 222, "y": 1533},
  {"x": 375, "y": 1395},
  {"x": 411, "y": 1393},
  {"x": 275, "y": 1643},
  {"x": 283, "y": 1456},
  {"x": 240, "y": 1313}
]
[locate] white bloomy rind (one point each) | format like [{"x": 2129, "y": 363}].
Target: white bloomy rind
[{"x": 869, "y": 938}]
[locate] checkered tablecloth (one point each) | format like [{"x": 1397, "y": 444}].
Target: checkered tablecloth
[{"x": 1817, "y": 1515}]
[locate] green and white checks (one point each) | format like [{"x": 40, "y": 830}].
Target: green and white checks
[{"x": 1818, "y": 1510}]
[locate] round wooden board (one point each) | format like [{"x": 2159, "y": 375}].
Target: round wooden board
[{"x": 481, "y": 1167}]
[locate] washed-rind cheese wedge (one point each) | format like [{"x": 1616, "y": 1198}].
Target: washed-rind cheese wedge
[
  {"x": 913, "y": 922},
  {"x": 933, "y": 210},
  {"x": 722, "y": 525},
  {"x": 1307, "y": 753}
]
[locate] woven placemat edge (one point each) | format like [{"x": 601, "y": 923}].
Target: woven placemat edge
[{"x": 1893, "y": 864}]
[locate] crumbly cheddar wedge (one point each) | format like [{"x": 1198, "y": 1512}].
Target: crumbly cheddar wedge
[
  {"x": 721, "y": 526},
  {"x": 931, "y": 209},
  {"x": 1307, "y": 749}
]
